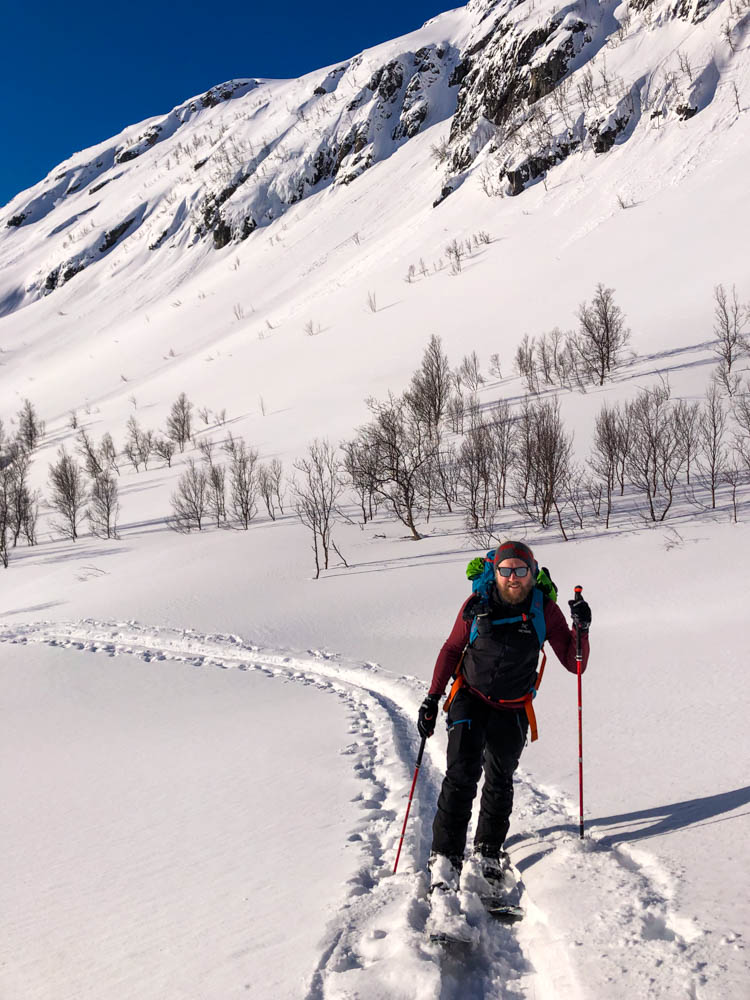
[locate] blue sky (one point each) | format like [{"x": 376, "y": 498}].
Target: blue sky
[{"x": 72, "y": 75}]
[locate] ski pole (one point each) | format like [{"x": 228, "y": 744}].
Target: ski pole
[
  {"x": 411, "y": 796},
  {"x": 579, "y": 665}
]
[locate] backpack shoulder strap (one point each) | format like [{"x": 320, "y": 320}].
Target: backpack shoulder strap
[{"x": 537, "y": 614}]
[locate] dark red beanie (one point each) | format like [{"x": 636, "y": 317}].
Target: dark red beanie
[{"x": 516, "y": 550}]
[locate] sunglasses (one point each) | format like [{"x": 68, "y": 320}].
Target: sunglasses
[{"x": 507, "y": 571}]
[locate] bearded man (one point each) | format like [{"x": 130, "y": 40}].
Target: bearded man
[{"x": 494, "y": 647}]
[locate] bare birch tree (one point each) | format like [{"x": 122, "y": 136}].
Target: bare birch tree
[
  {"x": 316, "y": 490},
  {"x": 243, "y": 480},
  {"x": 104, "y": 506},
  {"x": 68, "y": 494},
  {"x": 190, "y": 499},
  {"x": 602, "y": 334},
  {"x": 730, "y": 320},
  {"x": 180, "y": 421}
]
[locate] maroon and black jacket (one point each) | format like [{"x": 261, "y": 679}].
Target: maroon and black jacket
[{"x": 559, "y": 635}]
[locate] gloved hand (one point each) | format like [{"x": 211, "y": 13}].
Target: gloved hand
[
  {"x": 428, "y": 711},
  {"x": 581, "y": 613}
]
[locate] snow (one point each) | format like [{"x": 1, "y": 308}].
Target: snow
[
  {"x": 153, "y": 842},
  {"x": 205, "y": 753}
]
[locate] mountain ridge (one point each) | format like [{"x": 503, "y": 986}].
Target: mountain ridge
[{"x": 515, "y": 81}]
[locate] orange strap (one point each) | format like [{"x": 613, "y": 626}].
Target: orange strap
[{"x": 458, "y": 683}]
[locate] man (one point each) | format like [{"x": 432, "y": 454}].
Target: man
[{"x": 487, "y": 718}]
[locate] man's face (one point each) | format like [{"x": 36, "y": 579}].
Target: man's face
[{"x": 512, "y": 589}]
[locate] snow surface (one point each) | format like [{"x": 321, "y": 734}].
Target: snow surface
[{"x": 206, "y": 754}]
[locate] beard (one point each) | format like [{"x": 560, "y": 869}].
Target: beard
[{"x": 515, "y": 595}]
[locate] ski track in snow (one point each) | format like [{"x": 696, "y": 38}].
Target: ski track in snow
[{"x": 591, "y": 910}]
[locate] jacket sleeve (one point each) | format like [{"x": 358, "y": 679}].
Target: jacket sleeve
[
  {"x": 450, "y": 654},
  {"x": 563, "y": 639}
]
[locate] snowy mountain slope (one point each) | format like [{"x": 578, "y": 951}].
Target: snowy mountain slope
[{"x": 650, "y": 907}]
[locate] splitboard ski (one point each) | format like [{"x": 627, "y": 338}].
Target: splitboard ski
[
  {"x": 451, "y": 942},
  {"x": 505, "y": 913}
]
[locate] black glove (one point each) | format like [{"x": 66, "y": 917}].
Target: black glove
[
  {"x": 428, "y": 711},
  {"x": 581, "y": 614}
]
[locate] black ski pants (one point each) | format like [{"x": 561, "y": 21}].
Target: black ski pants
[{"x": 479, "y": 736}]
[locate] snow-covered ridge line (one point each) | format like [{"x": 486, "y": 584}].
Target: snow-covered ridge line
[
  {"x": 521, "y": 86},
  {"x": 625, "y": 902}
]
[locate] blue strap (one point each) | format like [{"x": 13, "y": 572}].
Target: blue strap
[{"x": 536, "y": 614}]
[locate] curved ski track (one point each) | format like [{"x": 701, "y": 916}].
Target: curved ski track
[{"x": 375, "y": 947}]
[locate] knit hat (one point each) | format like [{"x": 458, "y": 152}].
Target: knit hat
[{"x": 516, "y": 550}]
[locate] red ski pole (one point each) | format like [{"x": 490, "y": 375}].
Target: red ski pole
[
  {"x": 579, "y": 666},
  {"x": 411, "y": 796}
]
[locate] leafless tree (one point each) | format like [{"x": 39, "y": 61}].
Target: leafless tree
[
  {"x": 268, "y": 487},
  {"x": 476, "y": 476},
  {"x": 576, "y": 490},
  {"x": 103, "y": 506},
  {"x": 730, "y": 319},
  {"x": 316, "y": 491},
  {"x": 525, "y": 363},
  {"x": 455, "y": 253},
  {"x": 180, "y": 421},
  {"x": 495, "y": 368},
  {"x": 275, "y": 471},
  {"x": 190, "y": 499},
  {"x": 6, "y": 513},
  {"x": 606, "y": 451},
  {"x": 23, "y": 502},
  {"x": 360, "y": 465},
  {"x": 206, "y": 448},
  {"x": 446, "y": 476},
  {"x": 404, "y": 445},
  {"x": 108, "y": 453},
  {"x": 30, "y": 427},
  {"x": 164, "y": 449},
  {"x": 456, "y": 411},
  {"x": 503, "y": 429},
  {"x": 687, "y": 421},
  {"x": 243, "y": 480},
  {"x": 4, "y": 509},
  {"x": 468, "y": 372},
  {"x": 602, "y": 336},
  {"x": 431, "y": 385},
  {"x": 656, "y": 455},
  {"x": 712, "y": 458},
  {"x": 216, "y": 496},
  {"x": 90, "y": 454},
  {"x": 543, "y": 465},
  {"x": 546, "y": 360},
  {"x": 139, "y": 444},
  {"x": 741, "y": 413},
  {"x": 732, "y": 475},
  {"x": 68, "y": 492}
]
